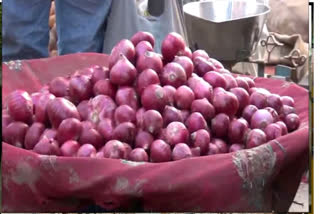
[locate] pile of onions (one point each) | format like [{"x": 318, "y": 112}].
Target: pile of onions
[{"x": 148, "y": 107}]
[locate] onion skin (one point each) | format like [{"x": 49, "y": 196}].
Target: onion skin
[
  {"x": 59, "y": 87},
  {"x": 70, "y": 148},
  {"x": 105, "y": 128},
  {"x": 221, "y": 144},
  {"x": 261, "y": 119},
  {"x": 237, "y": 130},
  {"x": 286, "y": 110},
  {"x": 292, "y": 122},
  {"x": 127, "y": 96},
  {"x": 160, "y": 151},
  {"x": 286, "y": 100},
  {"x": 92, "y": 137},
  {"x": 125, "y": 132},
  {"x": 236, "y": 147},
  {"x": 242, "y": 83},
  {"x": 204, "y": 107},
  {"x": 20, "y": 106},
  {"x": 186, "y": 52},
  {"x": 273, "y": 131},
  {"x": 83, "y": 109},
  {"x": 105, "y": 87},
  {"x": 146, "y": 78},
  {"x": 101, "y": 107},
  {"x": 231, "y": 81},
  {"x": 226, "y": 102},
  {"x": 149, "y": 60},
  {"x": 215, "y": 79},
  {"x": 184, "y": 97},
  {"x": 213, "y": 149},
  {"x": 124, "y": 47},
  {"x": 124, "y": 113},
  {"x": 152, "y": 122},
  {"x": 185, "y": 114},
  {"x": 142, "y": 36},
  {"x": 258, "y": 99},
  {"x": 99, "y": 73},
  {"x": 114, "y": 149},
  {"x": 46, "y": 147},
  {"x": 49, "y": 133},
  {"x": 169, "y": 93},
  {"x": 273, "y": 113},
  {"x": 171, "y": 45},
  {"x": 256, "y": 137},
  {"x": 33, "y": 135},
  {"x": 201, "y": 53},
  {"x": 173, "y": 74},
  {"x": 143, "y": 140},
  {"x": 80, "y": 88},
  {"x": 176, "y": 132},
  {"x": 87, "y": 150},
  {"x": 181, "y": 151},
  {"x": 69, "y": 129},
  {"x": 250, "y": 82},
  {"x": 143, "y": 47},
  {"x": 123, "y": 73},
  {"x": 274, "y": 101},
  {"x": 201, "y": 139},
  {"x": 195, "y": 122},
  {"x": 171, "y": 114},
  {"x": 220, "y": 125},
  {"x": 41, "y": 114},
  {"x": 139, "y": 117},
  {"x": 186, "y": 64},
  {"x": 60, "y": 109},
  {"x": 138, "y": 155},
  {"x": 283, "y": 127},
  {"x": 248, "y": 111},
  {"x": 218, "y": 65},
  {"x": 196, "y": 151},
  {"x": 202, "y": 66},
  {"x": 15, "y": 133},
  {"x": 84, "y": 71},
  {"x": 200, "y": 88},
  {"x": 242, "y": 96},
  {"x": 154, "y": 97}
]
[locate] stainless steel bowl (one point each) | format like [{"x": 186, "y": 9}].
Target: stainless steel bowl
[{"x": 228, "y": 30}]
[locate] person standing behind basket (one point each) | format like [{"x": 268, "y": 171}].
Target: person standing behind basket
[{"x": 25, "y": 31}]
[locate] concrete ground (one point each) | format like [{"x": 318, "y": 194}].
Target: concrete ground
[{"x": 301, "y": 199}]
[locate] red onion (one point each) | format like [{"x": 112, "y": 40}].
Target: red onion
[
  {"x": 237, "y": 130},
  {"x": 124, "y": 47},
  {"x": 173, "y": 74},
  {"x": 220, "y": 125},
  {"x": 80, "y": 88},
  {"x": 171, "y": 45},
  {"x": 204, "y": 107},
  {"x": 87, "y": 150},
  {"x": 70, "y": 148},
  {"x": 20, "y": 106},
  {"x": 162, "y": 135},
  {"x": 186, "y": 64},
  {"x": 152, "y": 121},
  {"x": 84, "y": 71},
  {"x": 274, "y": 101},
  {"x": 105, "y": 128},
  {"x": 105, "y": 87},
  {"x": 236, "y": 147},
  {"x": 139, "y": 117},
  {"x": 201, "y": 139},
  {"x": 138, "y": 155},
  {"x": 286, "y": 100},
  {"x": 101, "y": 107},
  {"x": 258, "y": 99},
  {"x": 59, "y": 87},
  {"x": 146, "y": 78},
  {"x": 124, "y": 113},
  {"x": 273, "y": 131},
  {"x": 127, "y": 96},
  {"x": 196, "y": 151},
  {"x": 273, "y": 113},
  {"x": 242, "y": 96},
  {"x": 202, "y": 66},
  {"x": 46, "y": 147},
  {"x": 169, "y": 93},
  {"x": 176, "y": 132},
  {"x": 171, "y": 114},
  {"x": 160, "y": 151},
  {"x": 154, "y": 97},
  {"x": 127, "y": 150},
  {"x": 218, "y": 65},
  {"x": 292, "y": 122},
  {"x": 69, "y": 129},
  {"x": 242, "y": 83},
  {"x": 83, "y": 109},
  {"x": 201, "y": 53},
  {"x": 248, "y": 111},
  {"x": 149, "y": 60},
  {"x": 215, "y": 79},
  {"x": 186, "y": 52},
  {"x": 143, "y": 140},
  {"x": 143, "y": 47},
  {"x": 286, "y": 110},
  {"x": 231, "y": 81},
  {"x": 35, "y": 99},
  {"x": 256, "y": 137},
  {"x": 60, "y": 109},
  {"x": 99, "y": 73},
  {"x": 15, "y": 133},
  {"x": 250, "y": 82},
  {"x": 33, "y": 135},
  {"x": 91, "y": 136},
  {"x": 200, "y": 88},
  {"x": 142, "y": 36},
  {"x": 125, "y": 132},
  {"x": 283, "y": 127},
  {"x": 181, "y": 151},
  {"x": 195, "y": 122},
  {"x": 123, "y": 73},
  {"x": 260, "y": 90},
  {"x": 213, "y": 149},
  {"x": 184, "y": 97},
  {"x": 222, "y": 145},
  {"x": 185, "y": 114},
  {"x": 114, "y": 149},
  {"x": 49, "y": 133},
  {"x": 226, "y": 102},
  {"x": 261, "y": 119},
  {"x": 99, "y": 155},
  {"x": 41, "y": 114}
]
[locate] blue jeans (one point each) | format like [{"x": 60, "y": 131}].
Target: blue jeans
[{"x": 81, "y": 26}]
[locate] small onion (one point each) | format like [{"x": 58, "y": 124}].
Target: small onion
[
  {"x": 87, "y": 150},
  {"x": 171, "y": 45},
  {"x": 105, "y": 87},
  {"x": 149, "y": 60},
  {"x": 258, "y": 99},
  {"x": 176, "y": 132},
  {"x": 221, "y": 144},
  {"x": 154, "y": 97},
  {"x": 261, "y": 119},
  {"x": 273, "y": 131},
  {"x": 41, "y": 114},
  {"x": 169, "y": 93},
  {"x": 142, "y": 36},
  {"x": 292, "y": 122},
  {"x": 99, "y": 73},
  {"x": 201, "y": 139},
  {"x": 105, "y": 128},
  {"x": 184, "y": 97},
  {"x": 286, "y": 100},
  {"x": 83, "y": 109},
  {"x": 152, "y": 122},
  {"x": 33, "y": 135},
  {"x": 70, "y": 148},
  {"x": 125, "y": 132},
  {"x": 15, "y": 133},
  {"x": 202, "y": 66},
  {"x": 171, "y": 114},
  {"x": 124, "y": 47},
  {"x": 248, "y": 111},
  {"x": 186, "y": 63},
  {"x": 173, "y": 74},
  {"x": 213, "y": 149},
  {"x": 114, "y": 149},
  {"x": 123, "y": 73},
  {"x": 181, "y": 151},
  {"x": 59, "y": 87},
  {"x": 127, "y": 96},
  {"x": 283, "y": 127},
  {"x": 127, "y": 150},
  {"x": 160, "y": 151},
  {"x": 69, "y": 129},
  {"x": 236, "y": 147},
  {"x": 91, "y": 136},
  {"x": 195, "y": 122},
  {"x": 237, "y": 130},
  {"x": 146, "y": 78},
  {"x": 256, "y": 137},
  {"x": 20, "y": 106},
  {"x": 201, "y": 53},
  {"x": 204, "y": 107},
  {"x": 142, "y": 47},
  {"x": 138, "y": 155},
  {"x": 215, "y": 79},
  {"x": 143, "y": 140},
  {"x": 226, "y": 102},
  {"x": 220, "y": 124},
  {"x": 124, "y": 113},
  {"x": 80, "y": 88}
]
